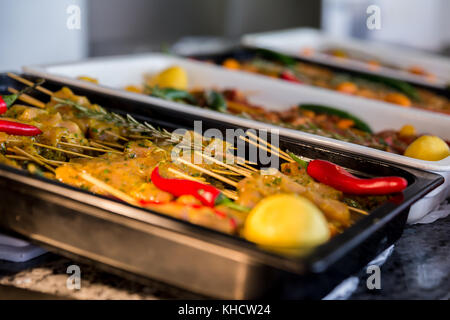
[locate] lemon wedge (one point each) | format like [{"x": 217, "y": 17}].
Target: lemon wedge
[
  {"x": 286, "y": 221},
  {"x": 429, "y": 148},
  {"x": 174, "y": 77}
]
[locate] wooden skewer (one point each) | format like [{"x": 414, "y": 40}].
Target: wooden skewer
[
  {"x": 98, "y": 145},
  {"x": 358, "y": 210},
  {"x": 184, "y": 175},
  {"x": 238, "y": 159},
  {"x": 265, "y": 148},
  {"x": 248, "y": 167},
  {"x": 62, "y": 150},
  {"x": 116, "y": 135},
  {"x": 220, "y": 163},
  {"x": 52, "y": 162},
  {"x": 111, "y": 190},
  {"x": 13, "y": 156},
  {"x": 35, "y": 159},
  {"x": 226, "y": 172},
  {"x": 273, "y": 149},
  {"x": 88, "y": 148},
  {"x": 133, "y": 136},
  {"x": 107, "y": 143},
  {"x": 29, "y": 83},
  {"x": 278, "y": 150},
  {"x": 28, "y": 99},
  {"x": 210, "y": 173},
  {"x": 230, "y": 194}
]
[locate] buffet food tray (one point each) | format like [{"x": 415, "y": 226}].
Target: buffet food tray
[
  {"x": 141, "y": 244},
  {"x": 115, "y": 73},
  {"x": 300, "y": 42}
]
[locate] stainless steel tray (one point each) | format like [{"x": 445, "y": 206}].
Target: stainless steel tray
[{"x": 142, "y": 244}]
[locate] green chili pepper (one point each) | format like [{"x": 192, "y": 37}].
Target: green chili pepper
[
  {"x": 276, "y": 56},
  {"x": 359, "y": 124},
  {"x": 398, "y": 85}
]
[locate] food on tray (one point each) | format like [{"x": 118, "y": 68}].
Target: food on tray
[
  {"x": 316, "y": 119},
  {"x": 372, "y": 63},
  {"x": 82, "y": 144},
  {"x": 429, "y": 148},
  {"x": 364, "y": 85}
]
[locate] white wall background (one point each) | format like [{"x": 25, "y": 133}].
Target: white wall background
[
  {"x": 35, "y": 31},
  {"x": 421, "y": 24}
]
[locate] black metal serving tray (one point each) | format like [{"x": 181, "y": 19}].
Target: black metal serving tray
[
  {"x": 243, "y": 53},
  {"x": 141, "y": 244}
]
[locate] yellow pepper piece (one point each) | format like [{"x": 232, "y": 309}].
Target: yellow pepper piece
[
  {"x": 231, "y": 64},
  {"x": 347, "y": 87},
  {"x": 345, "y": 123},
  {"x": 407, "y": 131},
  {"x": 429, "y": 148},
  {"x": 135, "y": 89},
  {"x": 174, "y": 77},
  {"x": 398, "y": 98},
  {"x": 286, "y": 221},
  {"x": 88, "y": 79}
]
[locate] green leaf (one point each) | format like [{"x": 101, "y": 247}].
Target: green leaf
[
  {"x": 301, "y": 162},
  {"x": 215, "y": 100},
  {"x": 10, "y": 99},
  {"x": 172, "y": 94}
]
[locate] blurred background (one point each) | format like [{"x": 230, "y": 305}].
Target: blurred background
[{"x": 50, "y": 31}]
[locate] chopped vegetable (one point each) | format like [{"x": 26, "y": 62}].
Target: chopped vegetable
[
  {"x": 360, "y": 124},
  {"x": 88, "y": 79},
  {"x": 289, "y": 76},
  {"x": 347, "y": 87},
  {"x": 407, "y": 131},
  {"x": 232, "y": 64},
  {"x": 398, "y": 85},
  {"x": 215, "y": 100}
]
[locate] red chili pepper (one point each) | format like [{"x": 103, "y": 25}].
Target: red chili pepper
[
  {"x": 289, "y": 76},
  {"x": 337, "y": 177},
  {"x": 3, "y": 106},
  {"x": 207, "y": 194},
  {"x": 18, "y": 129}
]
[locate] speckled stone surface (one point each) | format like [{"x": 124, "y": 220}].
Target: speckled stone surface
[{"x": 419, "y": 268}]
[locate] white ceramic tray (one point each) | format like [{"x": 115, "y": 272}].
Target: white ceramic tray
[
  {"x": 117, "y": 72},
  {"x": 294, "y": 41}
]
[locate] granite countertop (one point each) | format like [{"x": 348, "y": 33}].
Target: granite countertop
[{"x": 418, "y": 268}]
